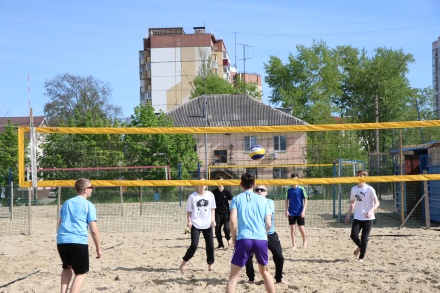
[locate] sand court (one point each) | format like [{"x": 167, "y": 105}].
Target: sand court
[{"x": 405, "y": 260}]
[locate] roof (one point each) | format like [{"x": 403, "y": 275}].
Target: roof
[
  {"x": 21, "y": 121},
  {"x": 229, "y": 110}
]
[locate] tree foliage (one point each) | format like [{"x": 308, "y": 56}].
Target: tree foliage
[
  {"x": 159, "y": 149},
  {"x": 71, "y": 95},
  {"x": 322, "y": 82},
  {"x": 81, "y": 150},
  {"x": 9, "y": 153},
  {"x": 80, "y": 102},
  {"x": 214, "y": 84}
]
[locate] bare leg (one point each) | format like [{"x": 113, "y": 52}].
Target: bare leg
[
  {"x": 292, "y": 235},
  {"x": 268, "y": 280},
  {"x": 77, "y": 283},
  {"x": 302, "y": 229},
  {"x": 234, "y": 275},
  {"x": 66, "y": 276}
]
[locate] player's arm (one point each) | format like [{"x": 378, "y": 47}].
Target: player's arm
[
  {"x": 229, "y": 194},
  {"x": 303, "y": 213},
  {"x": 375, "y": 206},
  {"x": 188, "y": 218},
  {"x": 96, "y": 237},
  {"x": 213, "y": 224},
  {"x": 286, "y": 207},
  {"x": 350, "y": 210},
  {"x": 233, "y": 224},
  {"x": 268, "y": 220}
]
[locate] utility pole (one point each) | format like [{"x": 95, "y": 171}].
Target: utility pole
[
  {"x": 205, "y": 115},
  {"x": 377, "y": 141},
  {"x": 244, "y": 63}
]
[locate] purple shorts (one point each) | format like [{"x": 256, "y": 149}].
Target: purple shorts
[{"x": 244, "y": 248}]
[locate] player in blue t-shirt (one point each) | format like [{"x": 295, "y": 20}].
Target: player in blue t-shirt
[
  {"x": 250, "y": 220},
  {"x": 296, "y": 204},
  {"x": 76, "y": 216}
]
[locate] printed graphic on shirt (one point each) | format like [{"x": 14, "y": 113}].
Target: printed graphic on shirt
[
  {"x": 202, "y": 207},
  {"x": 358, "y": 198}
]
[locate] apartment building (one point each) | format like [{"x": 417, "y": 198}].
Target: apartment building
[
  {"x": 436, "y": 74},
  {"x": 171, "y": 59}
]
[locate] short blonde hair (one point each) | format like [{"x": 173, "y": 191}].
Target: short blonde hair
[{"x": 81, "y": 184}]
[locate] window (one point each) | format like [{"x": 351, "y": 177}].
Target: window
[
  {"x": 220, "y": 156},
  {"x": 279, "y": 143},
  {"x": 279, "y": 173},
  {"x": 248, "y": 142},
  {"x": 252, "y": 171}
]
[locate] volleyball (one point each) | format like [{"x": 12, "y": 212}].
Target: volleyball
[{"x": 257, "y": 152}]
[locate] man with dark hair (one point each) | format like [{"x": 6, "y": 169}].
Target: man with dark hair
[
  {"x": 250, "y": 220},
  {"x": 222, "y": 198}
]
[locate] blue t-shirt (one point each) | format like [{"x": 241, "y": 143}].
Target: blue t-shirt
[
  {"x": 272, "y": 208},
  {"x": 251, "y": 213},
  {"x": 296, "y": 197},
  {"x": 76, "y": 213}
]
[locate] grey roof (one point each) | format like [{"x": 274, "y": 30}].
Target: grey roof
[{"x": 229, "y": 110}]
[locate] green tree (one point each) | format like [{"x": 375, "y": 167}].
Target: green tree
[
  {"x": 82, "y": 150},
  {"x": 77, "y": 101},
  {"x": 307, "y": 83},
  {"x": 214, "y": 84},
  {"x": 85, "y": 96},
  {"x": 321, "y": 82},
  {"x": 249, "y": 88},
  {"x": 9, "y": 153},
  {"x": 159, "y": 149},
  {"x": 211, "y": 85}
]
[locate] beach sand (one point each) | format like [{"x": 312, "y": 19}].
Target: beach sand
[{"x": 405, "y": 260}]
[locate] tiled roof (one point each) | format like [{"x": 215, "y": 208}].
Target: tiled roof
[
  {"x": 230, "y": 110},
  {"x": 21, "y": 121}
]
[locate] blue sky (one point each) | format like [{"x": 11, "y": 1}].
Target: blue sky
[{"x": 45, "y": 38}]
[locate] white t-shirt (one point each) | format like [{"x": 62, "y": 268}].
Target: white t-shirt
[
  {"x": 200, "y": 206},
  {"x": 365, "y": 198}
]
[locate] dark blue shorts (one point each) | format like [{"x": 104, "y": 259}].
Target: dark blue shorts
[
  {"x": 244, "y": 248},
  {"x": 75, "y": 256}
]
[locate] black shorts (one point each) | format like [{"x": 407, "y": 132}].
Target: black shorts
[
  {"x": 297, "y": 220},
  {"x": 75, "y": 256}
]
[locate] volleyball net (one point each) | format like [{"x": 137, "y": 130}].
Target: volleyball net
[{"x": 143, "y": 176}]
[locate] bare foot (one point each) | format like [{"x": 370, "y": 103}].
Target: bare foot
[
  {"x": 305, "y": 245},
  {"x": 282, "y": 282},
  {"x": 251, "y": 282},
  {"x": 210, "y": 268},
  {"x": 293, "y": 247},
  {"x": 183, "y": 267},
  {"x": 357, "y": 251},
  {"x": 361, "y": 260}
]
